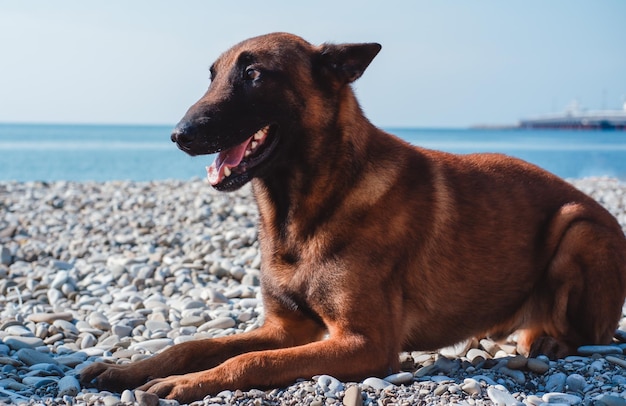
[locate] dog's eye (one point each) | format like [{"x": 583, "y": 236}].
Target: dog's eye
[{"x": 252, "y": 73}]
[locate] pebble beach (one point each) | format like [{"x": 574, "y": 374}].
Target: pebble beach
[{"x": 121, "y": 270}]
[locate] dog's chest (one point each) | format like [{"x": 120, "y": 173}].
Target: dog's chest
[{"x": 308, "y": 290}]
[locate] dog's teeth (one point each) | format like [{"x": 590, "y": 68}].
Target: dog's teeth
[
  {"x": 259, "y": 135},
  {"x": 247, "y": 153},
  {"x": 227, "y": 171},
  {"x": 254, "y": 144}
]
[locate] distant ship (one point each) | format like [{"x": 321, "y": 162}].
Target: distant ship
[{"x": 574, "y": 118}]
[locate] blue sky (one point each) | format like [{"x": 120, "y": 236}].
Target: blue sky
[{"x": 445, "y": 63}]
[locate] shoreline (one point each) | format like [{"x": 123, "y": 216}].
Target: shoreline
[{"x": 122, "y": 269}]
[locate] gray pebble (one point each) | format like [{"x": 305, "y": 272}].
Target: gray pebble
[
  {"x": 146, "y": 399},
  {"x": 329, "y": 384},
  {"x": 111, "y": 400},
  {"x": 556, "y": 382},
  {"x": 152, "y": 346},
  {"x": 99, "y": 321},
  {"x": 471, "y": 386},
  {"x": 50, "y": 317},
  {"x": 618, "y": 361},
  {"x": 575, "y": 383},
  {"x": 66, "y": 326},
  {"x": 127, "y": 396},
  {"x": 377, "y": 383},
  {"x": 517, "y": 376},
  {"x": 38, "y": 381},
  {"x": 68, "y": 385},
  {"x": 219, "y": 322},
  {"x": 501, "y": 397},
  {"x": 353, "y": 396},
  {"x": 537, "y": 366},
  {"x": 599, "y": 349},
  {"x": 400, "y": 378},
  {"x": 31, "y": 357},
  {"x": 18, "y": 342},
  {"x": 564, "y": 398},
  {"x": 610, "y": 400}
]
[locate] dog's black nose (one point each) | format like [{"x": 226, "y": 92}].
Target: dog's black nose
[{"x": 181, "y": 136}]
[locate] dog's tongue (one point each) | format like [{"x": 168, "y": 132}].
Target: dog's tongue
[{"x": 225, "y": 159}]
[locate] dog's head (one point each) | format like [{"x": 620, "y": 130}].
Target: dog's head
[{"x": 264, "y": 93}]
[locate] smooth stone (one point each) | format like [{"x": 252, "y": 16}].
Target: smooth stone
[
  {"x": 476, "y": 355},
  {"x": 152, "y": 346},
  {"x": 599, "y": 349},
  {"x": 99, "y": 321},
  {"x": 146, "y": 399},
  {"x": 441, "y": 389},
  {"x": 328, "y": 383},
  {"x": 157, "y": 325},
  {"x": 500, "y": 397},
  {"x": 399, "y": 378},
  {"x": 38, "y": 381},
  {"x": 441, "y": 378},
  {"x": 50, "y": 317},
  {"x": 31, "y": 357},
  {"x": 471, "y": 386},
  {"x": 575, "y": 383},
  {"x": 617, "y": 361},
  {"x": 12, "y": 384},
  {"x": 88, "y": 341},
  {"x": 447, "y": 366},
  {"x": 517, "y": 376},
  {"x": 620, "y": 335},
  {"x": 68, "y": 385},
  {"x": 610, "y": 400},
  {"x": 219, "y": 322},
  {"x": 377, "y": 383},
  {"x": 70, "y": 360},
  {"x": 66, "y": 326},
  {"x": 556, "y": 382},
  {"x": 18, "y": 330},
  {"x": 556, "y": 397},
  {"x": 517, "y": 362},
  {"x": 111, "y": 400},
  {"x": 426, "y": 371},
  {"x": 353, "y": 396},
  {"x": 10, "y": 361},
  {"x": 485, "y": 378},
  {"x": 192, "y": 321},
  {"x": 5, "y": 256},
  {"x": 60, "y": 278},
  {"x": 18, "y": 342},
  {"x": 194, "y": 304},
  {"x": 537, "y": 366},
  {"x": 121, "y": 330},
  {"x": 127, "y": 397}
]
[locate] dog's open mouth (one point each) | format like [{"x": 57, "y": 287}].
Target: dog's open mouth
[{"x": 230, "y": 168}]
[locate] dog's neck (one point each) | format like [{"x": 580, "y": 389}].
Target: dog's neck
[{"x": 297, "y": 200}]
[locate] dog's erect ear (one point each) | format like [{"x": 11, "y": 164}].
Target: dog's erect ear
[{"x": 347, "y": 62}]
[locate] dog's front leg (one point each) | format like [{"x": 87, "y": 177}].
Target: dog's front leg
[
  {"x": 344, "y": 356},
  {"x": 200, "y": 355}
]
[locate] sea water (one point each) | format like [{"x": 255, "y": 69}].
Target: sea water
[{"x": 37, "y": 152}]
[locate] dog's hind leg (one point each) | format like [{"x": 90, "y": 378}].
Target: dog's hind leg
[{"x": 581, "y": 298}]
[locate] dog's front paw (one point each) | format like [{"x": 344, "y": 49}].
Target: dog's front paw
[
  {"x": 112, "y": 377},
  {"x": 550, "y": 347},
  {"x": 184, "y": 388}
]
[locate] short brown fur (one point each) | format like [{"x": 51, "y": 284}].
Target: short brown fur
[{"x": 381, "y": 245}]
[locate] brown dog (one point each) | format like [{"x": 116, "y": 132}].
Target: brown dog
[{"x": 384, "y": 246}]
